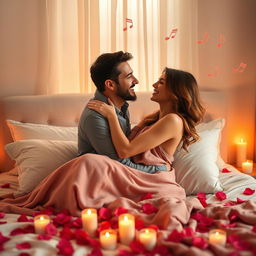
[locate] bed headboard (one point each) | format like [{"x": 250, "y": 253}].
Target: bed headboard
[{"x": 65, "y": 110}]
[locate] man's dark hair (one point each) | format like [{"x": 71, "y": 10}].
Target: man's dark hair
[{"x": 105, "y": 67}]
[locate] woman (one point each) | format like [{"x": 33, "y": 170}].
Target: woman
[{"x": 95, "y": 181}]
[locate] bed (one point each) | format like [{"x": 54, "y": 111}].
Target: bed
[{"x": 33, "y": 129}]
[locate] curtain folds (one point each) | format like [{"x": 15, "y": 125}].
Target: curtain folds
[{"x": 77, "y": 31}]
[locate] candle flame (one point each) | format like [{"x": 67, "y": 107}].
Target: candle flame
[
  {"x": 107, "y": 234},
  {"x": 89, "y": 211},
  {"x": 126, "y": 218},
  {"x": 41, "y": 218},
  {"x": 146, "y": 231}
]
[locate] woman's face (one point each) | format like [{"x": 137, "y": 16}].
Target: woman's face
[{"x": 161, "y": 91}]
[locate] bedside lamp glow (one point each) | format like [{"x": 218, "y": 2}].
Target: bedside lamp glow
[{"x": 241, "y": 148}]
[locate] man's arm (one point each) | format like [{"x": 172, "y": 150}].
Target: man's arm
[{"x": 97, "y": 130}]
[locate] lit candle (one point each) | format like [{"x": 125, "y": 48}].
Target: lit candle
[
  {"x": 126, "y": 226},
  {"x": 217, "y": 237},
  {"x": 40, "y": 223},
  {"x": 240, "y": 152},
  {"x": 247, "y": 166},
  {"x": 108, "y": 238},
  {"x": 90, "y": 221},
  {"x": 147, "y": 237}
]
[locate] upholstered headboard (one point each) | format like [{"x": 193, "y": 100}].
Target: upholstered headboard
[{"x": 65, "y": 110}]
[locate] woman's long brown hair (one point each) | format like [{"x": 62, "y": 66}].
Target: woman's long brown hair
[{"x": 186, "y": 102}]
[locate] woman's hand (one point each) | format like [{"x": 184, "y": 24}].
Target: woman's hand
[{"x": 102, "y": 108}]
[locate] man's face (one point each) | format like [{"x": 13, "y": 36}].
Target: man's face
[{"x": 127, "y": 81}]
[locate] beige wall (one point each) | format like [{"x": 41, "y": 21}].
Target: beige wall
[{"x": 21, "y": 22}]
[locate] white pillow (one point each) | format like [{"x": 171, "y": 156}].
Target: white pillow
[
  {"x": 197, "y": 170},
  {"x": 36, "y": 159},
  {"x": 25, "y": 131}
]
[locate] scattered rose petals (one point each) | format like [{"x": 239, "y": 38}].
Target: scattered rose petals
[
  {"x": 21, "y": 231},
  {"x": 248, "y": 191},
  {"x": 2, "y": 214},
  {"x": 120, "y": 210},
  {"x": 139, "y": 224},
  {"x": 114, "y": 223},
  {"x": 44, "y": 237},
  {"x": 240, "y": 201},
  {"x": 105, "y": 213},
  {"x": 137, "y": 247},
  {"x": 225, "y": 170},
  {"x": 24, "y": 245},
  {"x": 3, "y": 238},
  {"x": 67, "y": 234},
  {"x": 221, "y": 196},
  {"x": 103, "y": 225},
  {"x": 81, "y": 237},
  {"x": 76, "y": 223},
  {"x": 7, "y": 185},
  {"x": 175, "y": 236},
  {"x": 61, "y": 219},
  {"x": 65, "y": 248},
  {"x": 24, "y": 218},
  {"x": 50, "y": 229},
  {"x": 146, "y": 196},
  {"x": 148, "y": 208},
  {"x": 200, "y": 242},
  {"x": 233, "y": 215},
  {"x": 188, "y": 232},
  {"x": 201, "y": 195},
  {"x": 95, "y": 252}
]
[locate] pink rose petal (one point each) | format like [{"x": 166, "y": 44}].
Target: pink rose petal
[
  {"x": 248, "y": 191},
  {"x": 200, "y": 242},
  {"x": 225, "y": 170},
  {"x": 120, "y": 210},
  {"x": 221, "y": 196},
  {"x": 146, "y": 196},
  {"x": 24, "y": 245},
  {"x": 65, "y": 248},
  {"x": 105, "y": 213},
  {"x": 148, "y": 208}
]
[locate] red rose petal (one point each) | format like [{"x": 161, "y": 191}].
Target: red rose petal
[
  {"x": 95, "y": 252},
  {"x": 200, "y": 242},
  {"x": 3, "y": 222},
  {"x": 161, "y": 250},
  {"x": 66, "y": 233},
  {"x": 148, "y": 208},
  {"x": 24, "y": 218},
  {"x": 24, "y": 254},
  {"x": 225, "y": 170},
  {"x": 120, "y": 210},
  {"x": 103, "y": 225},
  {"x": 7, "y": 185},
  {"x": 231, "y": 225},
  {"x": 188, "y": 232},
  {"x": 76, "y": 223},
  {"x": 44, "y": 237},
  {"x": 146, "y": 196},
  {"x": 233, "y": 215},
  {"x": 123, "y": 252},
  {"x": 24, "y": 245},
  {"x": 105, "y": 213},
  {"x": 2, "y": 214},
  {"x": 114, "y": 223},
  {"x": 61, "y": 219},
  {"x": 240, "y": 201},
  {"x": 254, "y": 228},
  {"x": 137, "y": 247},
  {"x": 248, "y": 191},
  {"x": 21, "y": 231},
  {"x": 81, "y": 237},
  {"x": 139, "y": 224},
  {"x": 175, "y": 236},
  {"x": 201, "y": 195},
  {"x": 50, "y": 229},
  {"x": 203, "y": 202},
  {"x": 230, "y": 203},
  {"x": 221, "y": 196},
  {"x": 3, "y": 238},
  {"x": 65, "y": 248}
]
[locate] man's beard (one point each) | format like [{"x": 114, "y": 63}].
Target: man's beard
[{"x": 125, "y": 94}]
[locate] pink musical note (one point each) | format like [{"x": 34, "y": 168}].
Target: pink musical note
[
  {"x": 128, "y": 21},
  {"x": 222, "y": 39},
  {"x": 215, "y": 72},
  {"x": 240, "y": 68},
  {"x": 205, "y": 38},
  {"x": 172, "y": 34}
]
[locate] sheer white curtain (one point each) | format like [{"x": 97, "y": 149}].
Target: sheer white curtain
[{"x": 77, "y": 31}]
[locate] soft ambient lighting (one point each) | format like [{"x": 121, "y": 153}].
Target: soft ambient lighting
[
  {"x": 108, "y": 239},
  {"x": 148, "y": 238},
  {"x": 126, "y": 225},
  {"x": 90, "y": 221},
  {"x": 217, "y": 237},
  {"x": 247, "y": 166},
  {"x": 241, "y": 148},
  {"x": 40, "y": 223}
]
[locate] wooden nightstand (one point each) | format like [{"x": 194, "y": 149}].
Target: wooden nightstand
[{"x": 253, "y": 173}]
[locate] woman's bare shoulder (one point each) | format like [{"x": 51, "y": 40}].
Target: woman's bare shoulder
[{"x": 173, "y": 118}]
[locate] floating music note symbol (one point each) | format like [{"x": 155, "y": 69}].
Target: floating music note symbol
[
  {"x": 222, "y": 39},
  {"x": 172, "y": 34},
  {"x": 205, "y": 39},
  {"x": 128, "y": 21},
  {"x": 240, "y": 68},
  {"x": 216, "y": 71}
]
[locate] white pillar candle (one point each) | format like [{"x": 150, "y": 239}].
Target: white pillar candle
[
  {"x": 126, "y": 227},
  {"x": 241, "y": 148},
  {"x": 40, "y": 223},
  {"x": 108, "y": 239},
  {"x": 90, "y": 221},
  {"x": 217, "y": 237},
  {"x": 247, "y": 166},
  {"x": 147, "y": 237}
]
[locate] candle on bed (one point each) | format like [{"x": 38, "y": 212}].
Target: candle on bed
[
  {"x": 40, "y": 223},
  {"x": 147, "y": 236},
  {"x": 108, "y": 239},
  {"x": 217, "y": 237},
  {"x": 126, "y": 227},
  {"x": 241, "y": 148},
  {"x": 247, "y": 166},
  {"x": 90, "y": 221}
]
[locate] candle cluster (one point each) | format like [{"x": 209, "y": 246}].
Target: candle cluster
[{"x": 241, "y": 156}]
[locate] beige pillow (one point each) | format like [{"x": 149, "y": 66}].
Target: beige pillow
[
  {"x": 36, "y": 159},
  {"x": 25, "y": 131}
]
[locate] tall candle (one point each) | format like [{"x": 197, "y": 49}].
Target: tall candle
[
  {"x": 90, "y": 221},
  {"x": 40, "y": 223},
  {"x": 217, "y": 237},
  {"x": 241, "y": 148},
  {"x": 126, "y": 227},
  {"x": 108, "y": 239},
  {"x": 247, "y": 166},
  {"x": 147, "y": 237}
]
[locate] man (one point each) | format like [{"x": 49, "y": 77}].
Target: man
[{"x": 114, "y": 79}]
